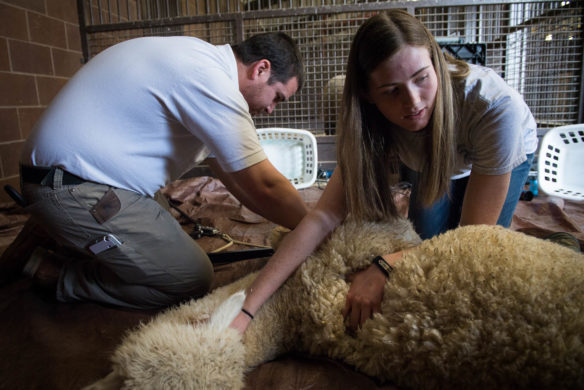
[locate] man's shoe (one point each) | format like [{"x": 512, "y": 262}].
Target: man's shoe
[
  {"x": 44, "y": 267},
  {"x": 18, "y": 253}
]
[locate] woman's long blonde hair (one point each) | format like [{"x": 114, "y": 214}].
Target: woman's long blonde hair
[{"x": 366, "y": 151}]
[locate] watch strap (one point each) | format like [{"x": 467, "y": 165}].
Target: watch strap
[{"x": 383, "y": 265}]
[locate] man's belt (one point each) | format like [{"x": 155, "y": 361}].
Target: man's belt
[{"x": 45, "y": 176}]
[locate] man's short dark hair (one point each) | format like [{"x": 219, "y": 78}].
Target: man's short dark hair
[{"x": 279, "y": 49}]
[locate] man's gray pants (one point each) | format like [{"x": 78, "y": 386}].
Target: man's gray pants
[{"x": 157, "y": 264}]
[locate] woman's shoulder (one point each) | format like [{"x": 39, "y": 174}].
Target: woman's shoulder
[
  {"x": 485, "y": 83},
  {"x": 484, "y": 89}
]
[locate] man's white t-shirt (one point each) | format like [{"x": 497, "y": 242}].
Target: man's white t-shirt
[{"x": 145, "y": 111}]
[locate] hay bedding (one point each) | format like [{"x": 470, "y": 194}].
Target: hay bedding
[{"x": 479, "y": 306}]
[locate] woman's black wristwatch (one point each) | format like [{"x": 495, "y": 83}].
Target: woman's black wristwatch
[{"x": 383, "y": 265}]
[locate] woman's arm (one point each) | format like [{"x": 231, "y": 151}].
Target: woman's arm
[
  {"x": 295, "y": 248},
  {"x": 484, "y": 198}
]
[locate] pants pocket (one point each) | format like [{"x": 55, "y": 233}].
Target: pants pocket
[{"x": 105, "y": 208}]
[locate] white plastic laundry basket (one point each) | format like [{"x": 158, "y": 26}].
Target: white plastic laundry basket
[
  {"x": 292, "y": 152},
  {"x": 560, "y": 168}
]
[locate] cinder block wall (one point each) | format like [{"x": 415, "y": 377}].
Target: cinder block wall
[{"x": 40, "y": 49}]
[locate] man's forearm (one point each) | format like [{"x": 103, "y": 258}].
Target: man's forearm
[
  {"x": 265, "y": 191},
  {"x": 281, "y": 204}
]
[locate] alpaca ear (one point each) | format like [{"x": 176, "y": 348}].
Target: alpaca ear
[{"x": 227, "y": 311}]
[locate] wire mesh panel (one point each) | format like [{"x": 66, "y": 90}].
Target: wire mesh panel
[
  {"x": 535, "y": 46},
  {"x": 324, "y": 41}
]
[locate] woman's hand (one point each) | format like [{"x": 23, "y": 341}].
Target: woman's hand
[
  {"x": 366, "y": 292},
  {"x": 240, "y": 322},
  {"x": 364, "y": 296}
]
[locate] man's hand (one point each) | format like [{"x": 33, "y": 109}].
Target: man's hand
[
  {"x": 265, "y": 191},
  {"x": 364, "y": 296}
]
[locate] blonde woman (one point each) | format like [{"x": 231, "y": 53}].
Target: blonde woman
[{"x": 457, "y": 131}]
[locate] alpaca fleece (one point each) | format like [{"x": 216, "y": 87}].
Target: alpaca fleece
[{"x": 479, "y": 306}]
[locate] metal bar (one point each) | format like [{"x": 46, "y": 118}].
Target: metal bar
[
  {"x": 238, "y": 21},
  {"x": 161, "y": 23},
  {"x": 90, "y": 13},
  {"x": 82, "y": 29},
  {"x": 99, "y": 11},
  {"x": 581, "y": 98}
]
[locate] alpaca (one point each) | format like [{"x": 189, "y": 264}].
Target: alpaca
[
  {"x": 479, "y": 306},
  {"x": 332, "y": 97}
]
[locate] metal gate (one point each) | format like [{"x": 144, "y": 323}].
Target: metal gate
[{"x": 536, "y": 46}]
